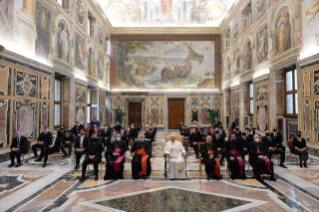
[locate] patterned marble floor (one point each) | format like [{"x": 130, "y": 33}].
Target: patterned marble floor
[{"x": 56, "y": 188}]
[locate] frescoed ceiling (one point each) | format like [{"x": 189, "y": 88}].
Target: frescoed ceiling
[{"x": 148, "y": 13}]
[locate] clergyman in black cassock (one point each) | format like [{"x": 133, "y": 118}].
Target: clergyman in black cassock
[
  {"x": 141, "y": 164},
  {"x": 234, "y": 155}
]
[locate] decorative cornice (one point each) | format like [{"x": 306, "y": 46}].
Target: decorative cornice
[
  {"x": 165, "y": 30},
  {"x": 309, "y": 61},
  {"x": 261, "y": 78}
]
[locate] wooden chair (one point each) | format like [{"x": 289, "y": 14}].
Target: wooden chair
[
  {"x": 290, "y": 146},
  {"x": 278, "y": 158},
  {"x": 55, "y": 154},
  {"x": 22, "y": 154},
  {"x": 179, "y": 138}
]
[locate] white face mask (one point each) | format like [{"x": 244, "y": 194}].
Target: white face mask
[
  {"x": 54, "y": 135},
  {"x": 257, "y": 140},
  {"x": 128, "y": 128},
  {"x": 118, "y": 139},
  {"x": 47, "y": 130},
  {"x": 105, "y": 128}
]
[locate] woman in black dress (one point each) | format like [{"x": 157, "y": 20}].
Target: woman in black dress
[{"x": 300, "y": 148}]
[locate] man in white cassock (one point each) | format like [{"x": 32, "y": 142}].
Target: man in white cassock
[{"x": 175, "y": 153}]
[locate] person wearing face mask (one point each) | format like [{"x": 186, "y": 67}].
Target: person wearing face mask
[
  {"x": 235, "y": 124},
  {"x": 277, "y": 137},
  {"x": 219, "y": 141},
  {"x": 181, "y": 126},
  {"x": 43, "y": 140},
  {"x": 209, "y": 154},
  {"x": 149, "y": 137},
  {"x": 258, "y": 159},
  {"x": 194, "y": 139},
  {"x": 95, "y": 122},
  {"x": 54, "y": 144},
  {"x": 238, "y": 132},
  {"x": 300, "y": 148},
  {"x": 234, "y": 155},
  {"x": 61, "y": 131},
  {"x": 244, "y": 140},
  {"x": 108, "y": 143},
  {"x": 106, "y": 132},
  {"x": 115, "y": 164},
  {"x": 127, "y": 137},
  {"x": 18, "y": 146},
  {"x": 141, "y": 164},
  {"x": 117, "y": 127},
  {"x": 272, "y": 146},
  {"x": 77, "y": 127},
  {"x": 221, "y": 130},
  {"x": 217, "y": 122},
  {"x": 81, "y": 143},
  {"x": 253, "y": 132},
  {"x": 247, "y": 130},
  {"x": 185, "y": 131},
  {"x": 93, "y": 153},
  {"x": 67, "y": 141}
]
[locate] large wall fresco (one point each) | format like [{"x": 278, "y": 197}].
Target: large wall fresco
[
  {"x": 261, "y": 102},
  {"x": 166, "y": 64},
  {"x": 310, "y": 22}
]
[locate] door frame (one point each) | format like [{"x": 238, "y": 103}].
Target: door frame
[
  {"x": 186, "y": 107},
  {"x": 143, "y": 112}
]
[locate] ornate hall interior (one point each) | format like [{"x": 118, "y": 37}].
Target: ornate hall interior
[{"x": 242, "y": 76}]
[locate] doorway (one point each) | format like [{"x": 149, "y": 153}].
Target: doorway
[
  {"x": 135, "y": 114},
  {"x": 175, "y": 113}
]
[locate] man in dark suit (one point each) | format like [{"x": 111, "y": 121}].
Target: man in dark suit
[
  {"x": 18, "y": 146},
  {"x": 54, "y": 144},
  {"x": 219, "y": 142},
  {"x": 244, "y": 140},
  {"x": 221, "y": 130},
  {"x": 181, "y": 128},
  {"x": 93, "y": 153},
  {"x": 81, "y": 143},
  {"x": 91, "y": 131},
  {"x": 106, "y": 132},
  {"x": 217, "y": 122},
  {"x": 277, "y": 137},
  {"x": 67, "y": 141},
  {"x": 149, "y": 138},
  {"x": 42, "y": 142},
  {"x": 194, "y": 139},
  {"x": 108, "y": 143},
  {"x": 247, "y": 131},
  {"x": 117, "y": 127}
]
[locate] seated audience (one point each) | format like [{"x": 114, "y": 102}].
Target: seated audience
[
  {"x": 18, "y": 146},
  {"x": 67, "y": 141},
  {"x": 81, "y": 143},
  {"x": 209, "y": 154},
  {"x": 234, "y": 155},
  {"x": 300, "y": 148},
  {"x": 42, "y": 142}
]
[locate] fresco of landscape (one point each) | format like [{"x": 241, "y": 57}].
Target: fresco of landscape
[{"x": 166, "y": 64}]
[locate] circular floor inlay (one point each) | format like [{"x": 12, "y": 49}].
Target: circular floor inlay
[
  {"x": 304, "y": 173},
  {"x": 33, "y": 174}
]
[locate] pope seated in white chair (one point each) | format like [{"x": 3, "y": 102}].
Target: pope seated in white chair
[{"x": 175, "y": 151}]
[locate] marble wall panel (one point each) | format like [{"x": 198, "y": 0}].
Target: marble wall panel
[
  {"x": 307, "y": 120},
  {"x": 262, "y": 93},
  {"x": 262, "y": 118},
  {"x": 65, "y": 113},
  {"x": 5, "y": 76},
  {"x": 194, "y": 101},
  {"x": 291, "y": 128},
  {"x": 80, "y": 114},
  {"x": 235, "y": 113},
  {"x": 246, "y": 102},
  {"x": 316, "y": 120},
  {"x": 194, "y": 115},
  {"x": 279, "y": 99},
  {"x": 306, "y": 84},
  {"x": 102, "y": 100},
  {"x": 66, "y": 91},
  {"x": 80, "y": 95},
  {"x": 316, "y": 83},
  {"x": 204, "y": 116},
  {"x": 205, "y": 101},
  {"x": 45, "y": 88},
  {"x": 101, "y": 116},
  {"x": 25, "y": 84},
  {"x": 216, "y": 101},
  {"x": 4, "y": 122},
  {"x": 44, "y": 119},
  {"x": 25, "y": 118},
  {"x": 155, "y": 115}
]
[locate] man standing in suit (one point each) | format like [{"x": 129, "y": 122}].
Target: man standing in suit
[
  {"x": 106, "y": 132},
  {"x": 93, "y": 153},
  {"x": 117, "y": 127},
  {"x": 18, "y": 146},
  {"x": 67, "y": 141},
  {"x": 277, "y": 137},
  {"x": 54, "y": 144},
  {"x": 134, "y": 132},
  {"x": 219, "y": 142},
  {"x": 81, "y": 143},
  {"x": 42, "y": 142}
]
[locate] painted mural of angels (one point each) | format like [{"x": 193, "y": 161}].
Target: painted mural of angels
[{"x": 313, "y": 11}]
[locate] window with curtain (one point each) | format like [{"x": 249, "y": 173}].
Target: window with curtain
[
  {"x": 57, "y": 103},
  {"x": 291, "y": 92},
  {"x": 251, "y": 99}
]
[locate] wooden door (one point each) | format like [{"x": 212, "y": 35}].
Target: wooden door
[
  {"x": 175, "y": 113},
  {"x": 135, "y": 114}
]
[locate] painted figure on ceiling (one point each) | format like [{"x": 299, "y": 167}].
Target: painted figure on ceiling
[
  {"x": 80, "y": 61},
  {"x": 91, "y": 62},
  {"x": 166, "y": 6},
  {"x": 262, "y": 47},
  {"x": 63, "y": 42},
  {"x": 80, "y": 11}
]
